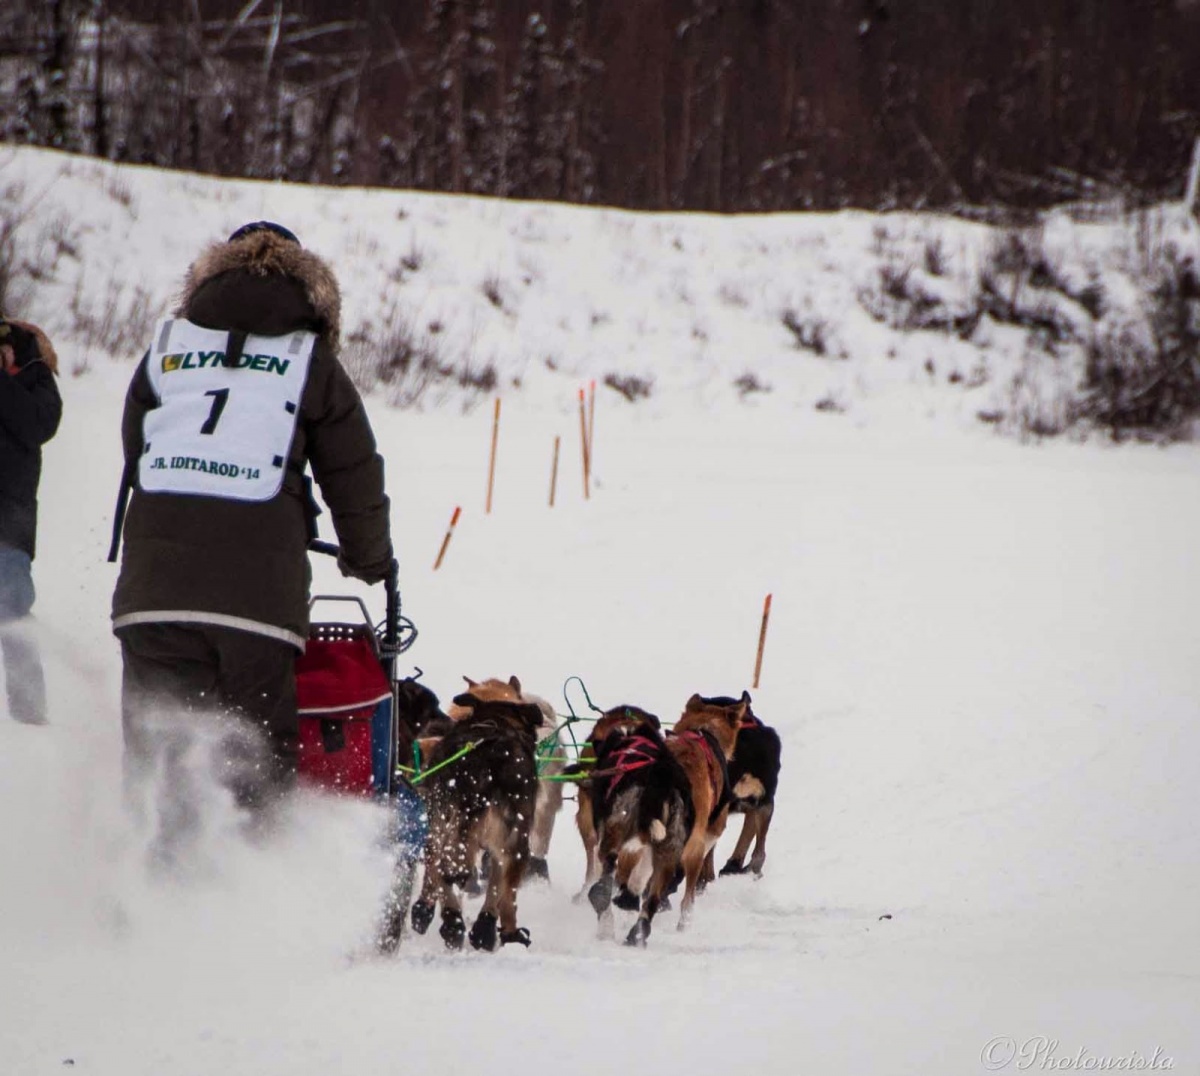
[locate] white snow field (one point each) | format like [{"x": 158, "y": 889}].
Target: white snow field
[{"x": 982, "y": 658}]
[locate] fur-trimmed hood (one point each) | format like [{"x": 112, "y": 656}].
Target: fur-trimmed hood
[
  {"x": 263, "y": 253},
  {"x": 45, "y": 349}
]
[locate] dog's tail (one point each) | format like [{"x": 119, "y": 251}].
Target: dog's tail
[
  {"x": 665, "y": 796},
  {"x": 659, "y": 809}
]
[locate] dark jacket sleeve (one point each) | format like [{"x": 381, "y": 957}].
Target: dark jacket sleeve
[
  {"x": 349, "y": 470},
  {"x": 30, "y": 406},
  {"x": 139, "y": 398}
]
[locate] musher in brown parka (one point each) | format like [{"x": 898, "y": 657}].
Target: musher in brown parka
[{"x": 211, "y": 605}]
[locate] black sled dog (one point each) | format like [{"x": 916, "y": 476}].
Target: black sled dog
[
  {"x": 549, "y": 793},
  {"x": 481, "y": 801},
  {"x": 753, "y": 777}
]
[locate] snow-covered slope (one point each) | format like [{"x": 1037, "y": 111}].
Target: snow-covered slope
[{"x": 863, "y": 314}]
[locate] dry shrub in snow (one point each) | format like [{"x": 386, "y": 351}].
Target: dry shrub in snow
[
  {"x": 1149, "y": 385},
  {"x": 492, "y": 291},
  {"x": 809, "y": 332},
  {"x": 748, "y": 384},
  {"x": 8, "y": 256},
  {"x": 631, "y": 387},
  {"x": 14, "y": 284},
  {"x": 412, "y": 364},
  {"x": 117, "y": 319},
  {"x": 1041, "y": 401},
  {"x": 908, "y": 298}
]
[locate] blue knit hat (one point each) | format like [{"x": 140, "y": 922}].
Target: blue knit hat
[{"x": 264, "y": 226}]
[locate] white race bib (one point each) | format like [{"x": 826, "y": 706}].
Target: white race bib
[{"x": 221, "y": 430}]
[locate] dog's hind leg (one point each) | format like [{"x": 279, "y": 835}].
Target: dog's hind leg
[
  {"x": 600, "y": 897},
  {"x": 451, "y": 868},
  {"x": 425, "y": 906},
  {"x": 663, "y": 868},
  {"x": 447, "y": 866},
  {"x": 483, "y": 930},
  {"x": 549, "y": 803},
  {"x": 390, "y": 926},
  {"x": 478, "y": 868},
  {"x": 633, "y": 871},
  {"x": 511, "y": 872},
  {"x": 444, "y": 849},
  {"x": 423, "y": 910},
  {"x": 764, "y": 813},
  {"x": 504, "y": 878},
  {"x": 454, "y": 927},
  {"x": 736, "y": 862},
  {"x": 587, "y": 833},
  {"x": 692, "y": 860}
]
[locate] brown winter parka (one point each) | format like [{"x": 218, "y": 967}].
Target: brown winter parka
[{"x": 243, "y": 564}]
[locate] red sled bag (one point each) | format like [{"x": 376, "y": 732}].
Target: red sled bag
[{"x": 344, "y": 697}]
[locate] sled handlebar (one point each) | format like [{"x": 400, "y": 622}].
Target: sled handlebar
[{"x": 394, "y": 622}]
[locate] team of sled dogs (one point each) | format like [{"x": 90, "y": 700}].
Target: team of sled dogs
[{"x": 651, "y": 804}]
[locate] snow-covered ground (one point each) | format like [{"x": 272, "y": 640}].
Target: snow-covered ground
[{"x": 981, "y": 658}]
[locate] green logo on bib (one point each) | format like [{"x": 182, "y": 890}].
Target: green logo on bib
[{"x": 200, "y": 360}]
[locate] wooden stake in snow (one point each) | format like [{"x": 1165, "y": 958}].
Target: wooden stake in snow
[
  {"x": 583, "y": 434},
  {"x": 591, "y": 423},
  {"x": 554, "y": 471},
  {"x": 762, "y": 639},
  {"x": 446, "y": 541},
  {"x": 492, "y": 460}
]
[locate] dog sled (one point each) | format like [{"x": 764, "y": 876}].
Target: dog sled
[{"x": 352, "y": 736}]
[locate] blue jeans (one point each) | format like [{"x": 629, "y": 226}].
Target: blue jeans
[{"x": 23, "y": 676}]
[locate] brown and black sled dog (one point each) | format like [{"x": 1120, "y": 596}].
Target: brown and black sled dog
[
  {"x": 753, "y": 778},
  {"x": 482, "y": 801},
  {"x": 640, "y": 804},
  {"x": 617, "y": 719}
]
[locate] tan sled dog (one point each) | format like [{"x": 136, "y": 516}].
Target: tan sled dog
[{"x": 703, "y": 742}]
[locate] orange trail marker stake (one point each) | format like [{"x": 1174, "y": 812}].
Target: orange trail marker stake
[
  {"x": 554, "y": 471},
  {"x": 591, "y": 423},
  {"x": 492, "y": 460},
  {"x": 446, "y": 541},
  {"x": 762, "y": 639},
  {"x": 583, "y": 433}
]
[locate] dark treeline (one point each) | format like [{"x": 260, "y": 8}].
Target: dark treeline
[{"x": 656, "y": 104}]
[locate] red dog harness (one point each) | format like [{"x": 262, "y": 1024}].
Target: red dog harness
[
  {"x": 634, "y": 754},
  {"x": 717, "y": 773}
]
